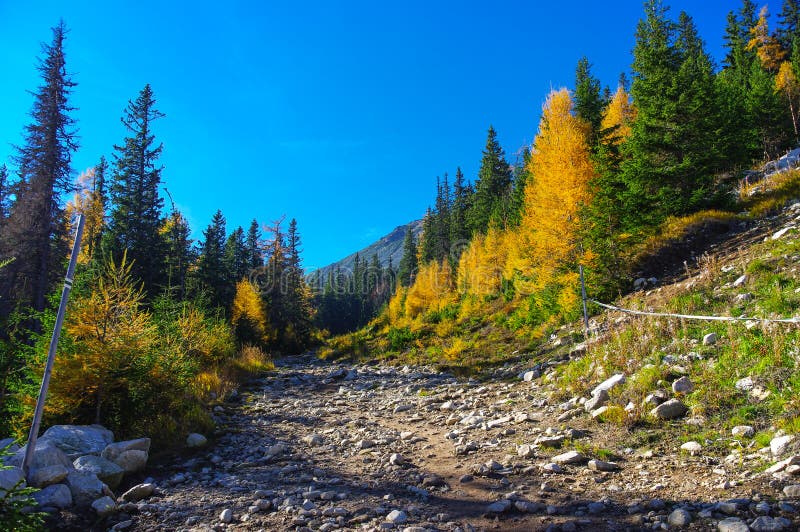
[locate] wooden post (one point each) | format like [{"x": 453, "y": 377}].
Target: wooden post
[
  {"x": 51, "y": 354},
  {"x": 583, "y": 298}
]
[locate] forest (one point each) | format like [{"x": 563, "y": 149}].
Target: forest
[{"x": 159, "y": 324}]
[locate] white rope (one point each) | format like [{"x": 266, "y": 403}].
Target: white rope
[{"x": 692, "y": 317}]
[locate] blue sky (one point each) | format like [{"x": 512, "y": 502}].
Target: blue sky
[{"x": 340, "y": 114}]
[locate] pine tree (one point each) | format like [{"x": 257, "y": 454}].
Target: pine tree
[
  {"x": 254, "y": 252},
  {"x": 179, "y": 255},
  {"x": 589, "y": 102},
  {"x": 136, "y": 218},
  {"x": 427, "y": 239},
  {"x": 211, "y": 268},
  {"x": 236, "y": 256},
  {"x": 3, "y": 195},
  {"x": 492, "y": 189},
  {"x": 408, "y": 264},
  {"x": 441, "y": 226},
  {"x": 32, "y": 232},
  {"x": 459, "y": 230},
  {"x": 788, "y": 24}
]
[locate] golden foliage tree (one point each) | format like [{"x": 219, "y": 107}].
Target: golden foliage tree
[
  {"x": 787, "y": 85},
  {"x": 767, "y": 47},
  {"x": 88, "y": 201},
  {"x": 248, "y": 316},
  {"x": 546, "y": 248},
  {"x": 111, "y": 335},
  {"x": 433, "y": 289},
  {"x": 618, "y": 116},
  {"x": 480, "y": 269}
]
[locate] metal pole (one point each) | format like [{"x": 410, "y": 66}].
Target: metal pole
[
  {"x": 583, "y": 297},
  {"x": 51, "y": 354}
]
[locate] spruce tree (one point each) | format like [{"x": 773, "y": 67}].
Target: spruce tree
[
  {"x": 179, "y": 256},
  {"x": 408, "y": 264},
  {"x": 427, "y": 239},
  {"x": 492, "y": 188},
  {"x": 236, "y": 256},
  {"x": 788, "y": 24},
  {"x": 211, "y": 268},
  {"x": 589, "y": 102},
  {"x": 3, "y": 194},
  {"x": 459, "y": 230},
  {"x": 33, "y": 231},
  {"x": 136, "y": 218},
  {"x": 254, "y": 253},
  {"x": 441, "y": 226}
]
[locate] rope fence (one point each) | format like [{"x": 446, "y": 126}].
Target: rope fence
[{"x": 694, "y": 317}]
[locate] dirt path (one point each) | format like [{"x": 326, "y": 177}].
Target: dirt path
[{"x": 326, "y": 447}]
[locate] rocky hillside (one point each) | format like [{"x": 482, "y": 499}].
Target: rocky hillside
[{"x": 389, "y": 246}]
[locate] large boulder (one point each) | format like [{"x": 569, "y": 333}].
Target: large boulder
[
  {"x": 85, "y": 487},
  {"x": 55, "y": 496},
  {"x": 46, "y": 454},
  {"x": 106, "y": 470},
  {"x": 130, "y": 455},
  {"x": 41, "y": 477},
  {"x": 79, "y": 440},
  {"x": 113, "y": 450},
  {"x": 10, "y": 479}
]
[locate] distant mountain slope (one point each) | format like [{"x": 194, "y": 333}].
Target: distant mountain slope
[{"x": 390, "y": 245}]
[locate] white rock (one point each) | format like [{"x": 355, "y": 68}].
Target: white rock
[
  {"x": 692, "y": 447},
  {"x": 683, "y": 385},
  {"x": 610, "y": 383},
  {"x": 397, "y": 517},
  {"x": 131, "y": 461},
  {"x": 669, "y": 409},
  {"x": 226, "y": 516},
  {"x": 313, "y": 440},
  {"x": 710, "y": 339},
  {"x": 743, "y": 430},
  {"x": 781, "y": 232},
  {"x": 529, "y": 376},
  {"x": 569, "y": 457},
  {"x": 778, "y": 445},
  {"x": 526, "y": 451},
  {"x": 679, "y": 517},
  {"x": 196, "y": 440},
  {"x": 732, "y": 524},
  {"x": 396, "y": 459},
  {"x": 600, "y": 465},
  {"x": 740, "y": 281},
  {"x": 499, "y": 507},
  {"x": 79, "y": 440},
  {"x": 138, "y": 492}
]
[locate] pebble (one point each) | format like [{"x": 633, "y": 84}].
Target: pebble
[{"x": 398, "y": 517}]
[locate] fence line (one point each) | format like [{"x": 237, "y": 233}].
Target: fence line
[{"x": 693, "y": 317}]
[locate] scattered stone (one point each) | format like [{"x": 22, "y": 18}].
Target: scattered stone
[
  {"x": 670, "y": 409},
  {"x": 364, "y": 444},
  {"x": 596, "y": 401},
  {"x": 131, "y": 461},
  {"x": 732, "y": 524},
  {"x": 710, "y": 339},
  {"x": 313, "y": 440},
  {"x": 600, "y": 465},
  {"x": 138, "y": 492},
  {"x": 530, "y": 375},
  {"x": 767, "y": 524},
  {"x": 792, "y": 491},
  {"x": 397, "y": 517},
  {"x": 778, "y": 445},
  {"x": 499, "y": 507},
  {"x": 679, "y": 517},
  {"x": 609, "y": 383},
  {"x": 743, "y": 430},
  {"x": 226, "y": 516},
  {"x": 196, "y": 440},
  {"x": 569, "y": 457},
  {"x": 552, "y": 468},
  {"x": 396, "y": 459},
  {"x": 683, "y": 385},
  {"x": 104, "y": 506},
  {"x": 740, "y": 281},
  {"x": 692, "y": 447},
  {"x": 402, "y": 408},
  {"x": 781, "y": 232},
  {"x": 553, "y": 442},
  {"x": 526, "y": 451}
]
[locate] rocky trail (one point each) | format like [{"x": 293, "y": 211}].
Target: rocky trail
[{"x": 320, "y": 446}]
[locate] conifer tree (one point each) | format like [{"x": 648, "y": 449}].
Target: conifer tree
[
  {"x": 589, "y": 102},
  {"x": 179, "y": 255},
  {"x": 3, "y": 195},
  {"x": 441, "y": 226},
  {"x": 492, "y": 189},
  {"x": 522, "y": 177},
  {"x": 408, "y": 264},
  {"x": 211, "y": 268},
  {"x": 236, "y": 256},
  {"x": 32, "y": 232},
  {"x": 766, "y": 45},
  {"x": 788, "y": 24},
  {"x": 254, "y": 252},
  {"x": 136, "y": 219},
  {"x": 427, "y": 239},
  {"x": 459, "y": 230}
]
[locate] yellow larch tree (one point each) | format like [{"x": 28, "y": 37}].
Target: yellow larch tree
[
  {"x": 769, "y": 50},
  {"x": 433, "y": 289},
  {"x": 618, "y": 117},
  {"x": 88, "y": 202},
  {"x": 480, "y": 269},
  {"x": 546, "y": 249},
  {"x": 248, "y": 316},
  {"x": 787, "y": 85}
]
